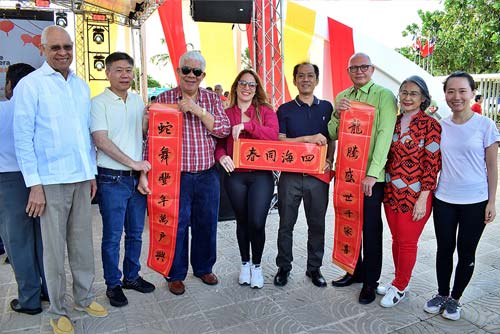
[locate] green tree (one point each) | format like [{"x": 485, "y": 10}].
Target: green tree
[
  {"x": 161, "y": 59},
  {"x": 467, "y": 36}
]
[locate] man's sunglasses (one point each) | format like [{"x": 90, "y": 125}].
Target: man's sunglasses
[{"x": 196, "y": 71}]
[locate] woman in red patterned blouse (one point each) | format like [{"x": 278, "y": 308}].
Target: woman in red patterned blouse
[{"x": 413, "y": 163}]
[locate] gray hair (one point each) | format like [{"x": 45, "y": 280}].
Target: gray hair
[
  {"x": 423, "y": 90},
  {"x": 360, "y": 54},
  {"x": 193, "y": 55},
  {"x": 47, "y": 30}
]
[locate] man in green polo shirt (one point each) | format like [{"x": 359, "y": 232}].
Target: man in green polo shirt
[{"x": 369, "y": 265}]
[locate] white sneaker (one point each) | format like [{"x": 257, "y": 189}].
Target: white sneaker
[
  {"x": 257, "y": 280},
  {"x": 382, "y": 289},
  {"x": 392, "y": 297},
  {"x": 244, "y": 278}
]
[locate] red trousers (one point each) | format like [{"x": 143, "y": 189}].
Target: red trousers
[{"x": 405, "y": 234}]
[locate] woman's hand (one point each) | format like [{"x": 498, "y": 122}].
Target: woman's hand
[
  {"x": 226, "y": 162},
  {"x": 237, "y": 130},
  {"x": 490, "y": 212},
  {"x": 420, "y": 208}
]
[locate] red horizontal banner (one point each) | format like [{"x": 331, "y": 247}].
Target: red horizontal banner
[
  {"x": 354, "y": 135},
  {"x": 279, "y": 155},
  {"x": 165, "y": 152}
]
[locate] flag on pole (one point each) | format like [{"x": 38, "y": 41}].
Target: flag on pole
[
  {"x": 424, "y": 50},
  {"x": 432, "y": 43}
]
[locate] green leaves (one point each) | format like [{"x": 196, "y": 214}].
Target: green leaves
[{"x": 467, "y": 36}]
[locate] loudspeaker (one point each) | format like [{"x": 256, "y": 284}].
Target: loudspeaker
[{"x": 230, "y": 11}]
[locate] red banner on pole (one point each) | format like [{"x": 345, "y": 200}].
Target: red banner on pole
[
  {"x": 165, "y": 153},
  {"x": 352, "y": 160},
  {"x": 279, "y": 155}
]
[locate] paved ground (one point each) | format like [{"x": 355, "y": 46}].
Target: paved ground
[{"x": 299, "y": 307}]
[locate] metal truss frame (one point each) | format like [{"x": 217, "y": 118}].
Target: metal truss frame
[{"x": 268, "y": 57}]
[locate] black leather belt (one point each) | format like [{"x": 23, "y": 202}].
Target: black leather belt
[{"x": 114, "y": 172}]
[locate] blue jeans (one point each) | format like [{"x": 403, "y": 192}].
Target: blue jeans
[
  {"x": 198, "y": 208},
  {"x": 122, "y": 207}
]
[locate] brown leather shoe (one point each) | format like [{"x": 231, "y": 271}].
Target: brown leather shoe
[
  {"x": 209, "y": 279},
  {"x": 176, "y": 287}
]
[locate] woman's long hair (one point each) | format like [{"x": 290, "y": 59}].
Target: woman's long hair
[{"x": 259, "y": 99}]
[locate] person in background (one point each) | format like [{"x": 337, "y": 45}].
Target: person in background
[
  {"x": 20, "y": 232},
  {"x": 464, "y": 201},
  {"x": 57, "y": 158},
  {"x": 250, "y": 191},
  {"x": 369, "y": 265},
  {"x": 204, "y": 120},
  {"x": 118, "y": 127},
  {"x": 412, "y": 167},
  {"x": 477, "y": 106}
]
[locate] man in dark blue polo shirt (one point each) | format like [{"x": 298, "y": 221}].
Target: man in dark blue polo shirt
[{"x": 304, "y": 119}]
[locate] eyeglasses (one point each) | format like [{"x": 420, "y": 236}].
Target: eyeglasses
[
  {"x": 405, "y": 93},
  {"x": 250, "y": 84},
  {"x": 55, "y": 48},
  {"x": 196, "y": 71},
  {"x": 363, "y": 68}
]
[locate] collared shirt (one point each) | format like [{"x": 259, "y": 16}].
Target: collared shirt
[
  {"x": 123, "y": 122},
  {"x": 8, "y": 161},
  {"x": 414, "y": 162},
  {"x": 383, "y": 123},
  {"x": 267, "y": 129},
  {"x": 297, "y": 119},
  {"x": 198, "y": 144},
  {"x": 52, "y": 128}
]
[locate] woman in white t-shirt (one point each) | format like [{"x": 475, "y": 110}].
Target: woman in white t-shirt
[{"x": 466, "y": 191}]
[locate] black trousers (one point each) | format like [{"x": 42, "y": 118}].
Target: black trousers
[
  {"x": 250, "y": 194},
  {"x": 469, "y": 220},
  {"x": 369, "y": 265},
  {"x": 292, "y": 189}
]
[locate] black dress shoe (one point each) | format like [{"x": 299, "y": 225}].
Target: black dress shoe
[
  {"x": 14, "y": 304},
  {"x": 281, "y": 277},
  {"x": 316, "y": 278},
  {"x": 116, "y": 296},
  {"x": 367, "y": 295},
  {"x": 346, "y": 280}
]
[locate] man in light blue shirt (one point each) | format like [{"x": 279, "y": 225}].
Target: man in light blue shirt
[
  {"x": 57, "y": 159},
  {"x": 20, "y": 232}
]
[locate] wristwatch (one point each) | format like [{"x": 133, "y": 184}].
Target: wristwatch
[{"x": 203, "y": 111}]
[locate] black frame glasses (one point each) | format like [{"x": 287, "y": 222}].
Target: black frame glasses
[
  {"x": 363, "y": 68},
  {"x": 196, "y": 71}
]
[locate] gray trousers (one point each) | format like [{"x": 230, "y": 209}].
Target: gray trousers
[
  {"x": 22, "y": 240},
  {"x": 67, "y": 224},
  {"x": 292, "y": 189}
]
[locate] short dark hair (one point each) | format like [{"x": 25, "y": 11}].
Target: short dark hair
[
  {"x": 116, "y": 56},
  {"x": 296, "y": 69},
  {"x": 461, "y": 74},
  {"x": 16, "y": 72},
  {"x": 478, "y": 97}
]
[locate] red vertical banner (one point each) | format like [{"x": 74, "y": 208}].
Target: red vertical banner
[
  {"x": 165, "y": 154},
  {"x": 354, "y": 134}
]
